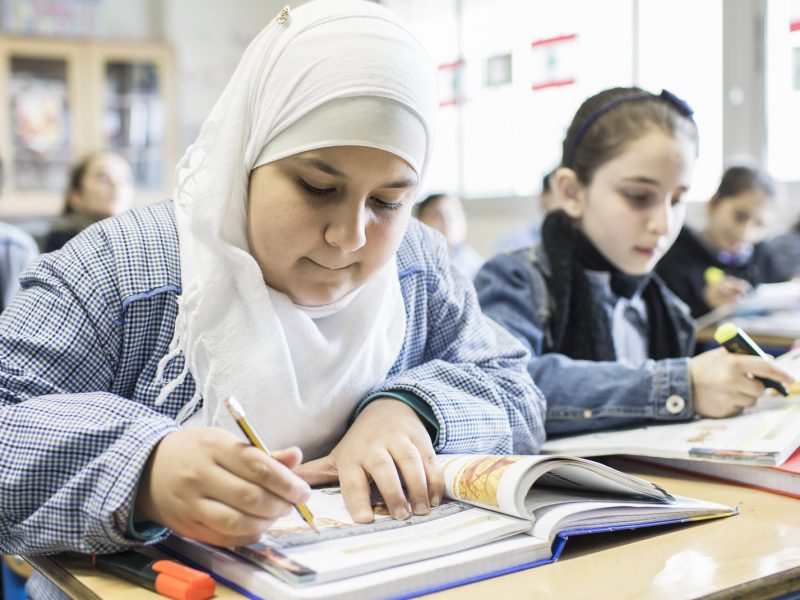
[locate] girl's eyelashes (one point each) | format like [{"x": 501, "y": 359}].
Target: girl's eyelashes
[
  {"x": 639, "y": 200},
  {"x": 646, "y": 200},
  {"x": 383, "y": 205},
  {"x": 316, "y": 191},
  {"x": 313, "y": 190}
]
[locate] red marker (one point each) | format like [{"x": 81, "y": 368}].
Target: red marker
[{"x": 167, "y": 577}]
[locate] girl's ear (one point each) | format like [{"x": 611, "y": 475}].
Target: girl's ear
[
  {"x": 567, "y": 189},
  {"x": 710, "y": 206},
  {"x": 75, "y": 201}
]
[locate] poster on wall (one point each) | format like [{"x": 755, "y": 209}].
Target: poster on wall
[
  {"x": 39, "y": 117},
  {"x": 450, "y": 88},
  {"x": 794, "y": 28},
  {"x": 554, "y": 61}
]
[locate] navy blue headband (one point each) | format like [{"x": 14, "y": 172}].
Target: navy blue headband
[{"x": 680, "y": 105}]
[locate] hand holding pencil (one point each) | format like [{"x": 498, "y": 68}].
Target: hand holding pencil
[
  {"x": 208, "y": 484},
  {"x": 237, "y": 412}
]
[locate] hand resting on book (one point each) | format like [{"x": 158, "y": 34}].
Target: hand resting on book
[{"x": 389, "y": 445}]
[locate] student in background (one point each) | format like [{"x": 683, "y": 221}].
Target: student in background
[
  {"x": 515, "y": 240},
  {"x": 17, "y": 249},
  {"x": 785, "y": 252},
  {"x": 610, "y": 341},
  {"x": 445, "y": 213},
  {"x": 100, "y": 186},
  {"x": 288, "y": 272},
  {"x": 716, "y": 266}
]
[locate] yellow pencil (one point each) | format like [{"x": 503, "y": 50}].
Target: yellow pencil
[{"x": 237, "y": 412}]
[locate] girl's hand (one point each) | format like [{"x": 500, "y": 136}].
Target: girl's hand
[
  {"x": 726, "y": 291},
  {"x": 724, "y": 383},
  {"x": 389, "y": 445},
  {"x": 205, "y": 483}
]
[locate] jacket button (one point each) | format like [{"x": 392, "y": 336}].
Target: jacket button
[
  {"x": 675, "y": 404},
  {"x": 587, "y": 414}
]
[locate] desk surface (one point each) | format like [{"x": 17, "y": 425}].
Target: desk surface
[
  {"x": 755, "y": 554},
  {"x": 780, "y": 343}
]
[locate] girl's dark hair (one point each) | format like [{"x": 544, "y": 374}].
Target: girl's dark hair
[
  {"x": 609, "y": 121},
  {"x": 741, "y": 178},
  {"x": 422, "y": 205},
  {"x": 75, "y": 182}
]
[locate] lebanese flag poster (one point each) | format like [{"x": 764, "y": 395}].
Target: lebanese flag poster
[
  {"x": 450, "y": 74},
  {"x": 554, "y": 61}
]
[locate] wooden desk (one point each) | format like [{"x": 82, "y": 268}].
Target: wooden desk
[
  {"x": 782, "y": 343},
  {"x": 755, "y": 554}
]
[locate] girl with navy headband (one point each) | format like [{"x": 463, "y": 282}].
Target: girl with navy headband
[
  {"x": 610, "y": 342},
  {"x": 288, "y": 272}
]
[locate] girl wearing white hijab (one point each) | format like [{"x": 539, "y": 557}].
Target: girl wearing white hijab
[{"x": 287, "y": 273}]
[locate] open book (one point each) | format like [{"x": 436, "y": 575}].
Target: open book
[
  {"x": 762, "y": 302},
  {"x": 766, "y": 434},
  {"x": 502, "y": 513}
]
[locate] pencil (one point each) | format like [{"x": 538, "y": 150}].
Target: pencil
[{"x": 237, "y": 412}]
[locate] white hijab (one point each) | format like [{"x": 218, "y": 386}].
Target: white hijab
[{"x": 334, "y": 73}]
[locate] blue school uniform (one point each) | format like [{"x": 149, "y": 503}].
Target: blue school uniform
[{"x": 80, "y": 345}]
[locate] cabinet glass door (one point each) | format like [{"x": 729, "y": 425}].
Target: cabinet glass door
[
  {"x": 40, "y": 118},
  {"x": 133, "y": 119}
]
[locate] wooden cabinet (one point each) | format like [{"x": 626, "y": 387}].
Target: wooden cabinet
[{"x": 62, "y": 99}]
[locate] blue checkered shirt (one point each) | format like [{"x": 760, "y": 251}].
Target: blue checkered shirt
[{"x": 80, "y": 345}]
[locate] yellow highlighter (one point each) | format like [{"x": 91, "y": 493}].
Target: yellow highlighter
[
  {"x": 713, "y": 275},
  {"x": 737, "y": 341}
]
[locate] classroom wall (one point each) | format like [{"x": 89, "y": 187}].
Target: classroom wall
[{"x": 209, "y": 36}]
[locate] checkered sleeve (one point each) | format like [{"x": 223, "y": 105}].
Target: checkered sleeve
[
  {"x": 470, "y": 371},
  {"x": 71, "y": 459}
]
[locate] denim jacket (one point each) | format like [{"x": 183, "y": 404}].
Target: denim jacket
[{"x": 582, "y": 395}]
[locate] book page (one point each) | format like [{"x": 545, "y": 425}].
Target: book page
[
  {"x": 490, "y": 481},
  {"x": 769, "y": 297},
  {"x": 295, "y": 553},
  {"x": 504, "y": 483},
  {"x": 765, "y": 434}
]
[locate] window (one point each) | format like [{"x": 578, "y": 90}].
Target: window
[
  {"x": 783, "y": 88},
  {"x": 496, "y": 138}
]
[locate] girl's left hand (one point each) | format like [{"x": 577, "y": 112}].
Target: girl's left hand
[{"x": 387, "y": 444}]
